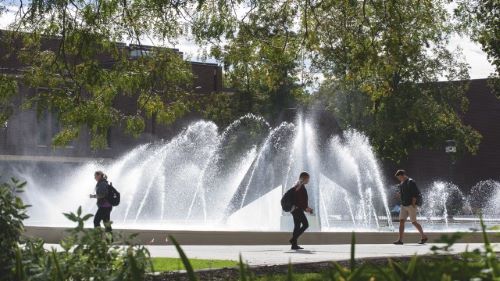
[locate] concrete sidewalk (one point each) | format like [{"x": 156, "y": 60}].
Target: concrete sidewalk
[{"x": 276, "y": 254}]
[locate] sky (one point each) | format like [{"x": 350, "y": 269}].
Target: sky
[{"x": 479, "y": 66}]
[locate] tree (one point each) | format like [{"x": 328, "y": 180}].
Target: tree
[
  {"x": 88, "y": 69},
  {"x": 261, "y": 53},
  {"x": 480, "y": 19},
  {"x": 382, "y": 61}
]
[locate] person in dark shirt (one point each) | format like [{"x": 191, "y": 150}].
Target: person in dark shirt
[
  {"x": 103, "y": 206},
  {"x": 409, "y": 194},
  {"x": 301, "y": 205}
]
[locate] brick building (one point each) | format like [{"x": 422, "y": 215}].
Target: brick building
[{"x": 26, "y": 137}]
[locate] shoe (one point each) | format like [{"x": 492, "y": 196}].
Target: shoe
[
  {"x": 296, "y": 247},
  {"x": 423, "y": 240},
  {"x": 399, "y": 242}
]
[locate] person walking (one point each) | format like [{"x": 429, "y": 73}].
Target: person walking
[
  {"x": 104, "y": 207},
  {"x": 301, "y": 205},
  {"x": 409, "y": 195}
]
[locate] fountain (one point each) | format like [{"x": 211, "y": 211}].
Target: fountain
[
  {"x": 485, "y": 198},
  {"x": 204, "y": 179},
  {"x": 442, "y": 200}
]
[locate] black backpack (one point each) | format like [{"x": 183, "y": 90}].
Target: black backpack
[
  {"x": 113, "y": 196},
  {"x": 288, "y": 200},
  {"x": 420, "y": 198}
]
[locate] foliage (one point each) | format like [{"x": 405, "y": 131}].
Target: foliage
[
  {"x": 387, "y": 59},
  {"x": 480, "y": 19},
  {"x": 185, "y": 260},
  {"x": 81, "y": 76},
  {"x": 379, "y": 62},
  {"x": 8, "y": 89},
  {"x": 87, "y": 254},
  {"x": 12, "y": 214},
  {"x": 262, "y": 59},
  {"x": 219, "y": 107}
]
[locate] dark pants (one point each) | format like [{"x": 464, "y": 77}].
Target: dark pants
[
  {"x": 300, "y": 224},
  {"x": 103, "y": 214}
]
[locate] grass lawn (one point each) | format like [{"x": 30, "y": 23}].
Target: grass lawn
[{"x": 171, "y": 264}]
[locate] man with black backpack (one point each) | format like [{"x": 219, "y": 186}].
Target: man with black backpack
[
  {"x": 410, "y": 198},
  {"x": 104, "y": 206},
  {"x": 298, "y": 195}
]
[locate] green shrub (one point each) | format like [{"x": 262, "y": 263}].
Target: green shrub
[
  {"x": 88, "y": 254},
  {"x": 12, "y": 214}
]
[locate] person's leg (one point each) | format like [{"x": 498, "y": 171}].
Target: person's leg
[
  {"x": 296, "y": 226},
  {"x": 401, "y": 229},
  {"x": 403, "y": 214},
  {"x": 419, "y": 228},
  {"x": 304, "y": 222},
  {"x": 98, "y": 218},
  {"x": 301, "y": 226},
  {"x": 413, "y": 219},
  {"x": 106, "y": 218}
]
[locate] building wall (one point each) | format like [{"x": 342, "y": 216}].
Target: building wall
[
  {"x": 27, "y": 134},
  {"x": 426, "y": 166}
]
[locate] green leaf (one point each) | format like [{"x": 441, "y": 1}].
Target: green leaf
[
  {"x": 185, "y": 260},
  {"x": 243, "y": 271},
  {"x": 289, "y": 275}
]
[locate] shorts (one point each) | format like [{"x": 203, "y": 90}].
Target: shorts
[{"x": 408, "y": 211}]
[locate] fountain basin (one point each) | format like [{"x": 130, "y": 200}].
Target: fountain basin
[{"x": 188, "y": 237}]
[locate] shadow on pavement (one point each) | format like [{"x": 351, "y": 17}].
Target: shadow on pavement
[{"x": 307, "y": 252}]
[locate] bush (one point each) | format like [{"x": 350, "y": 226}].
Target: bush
[
  {"x": 12, "y": 214},
  {"x": 88, "y": 254}
]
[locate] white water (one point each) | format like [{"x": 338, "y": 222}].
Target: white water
[{"x": 203, "y": 179}]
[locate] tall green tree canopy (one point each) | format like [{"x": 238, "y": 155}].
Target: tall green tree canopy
[
  {"x": 80, "y": 75},
  {"x": 480, "y": 19},
  {"x": 380, "y": 61}
]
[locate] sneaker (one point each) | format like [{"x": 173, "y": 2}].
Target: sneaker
[
  {"x": 296, "y": 247},
  {"x": 423, "y": 240},
  {"x": 399, "y": 242}
]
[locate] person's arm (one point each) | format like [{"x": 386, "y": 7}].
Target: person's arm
[
  {"x": 308, "y": 209},
  {"x": 101, "y": 190},
  {"x": 414, "y": 193}
]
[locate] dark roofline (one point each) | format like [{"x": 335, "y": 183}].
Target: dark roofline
[
  {"x": 204, "y": 63},
  {"x": 130, "y": 47}
]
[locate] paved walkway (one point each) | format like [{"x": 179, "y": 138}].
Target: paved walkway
[
  {"x": 272, "y": 255},
  {"x": 277, "y": 254}
]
